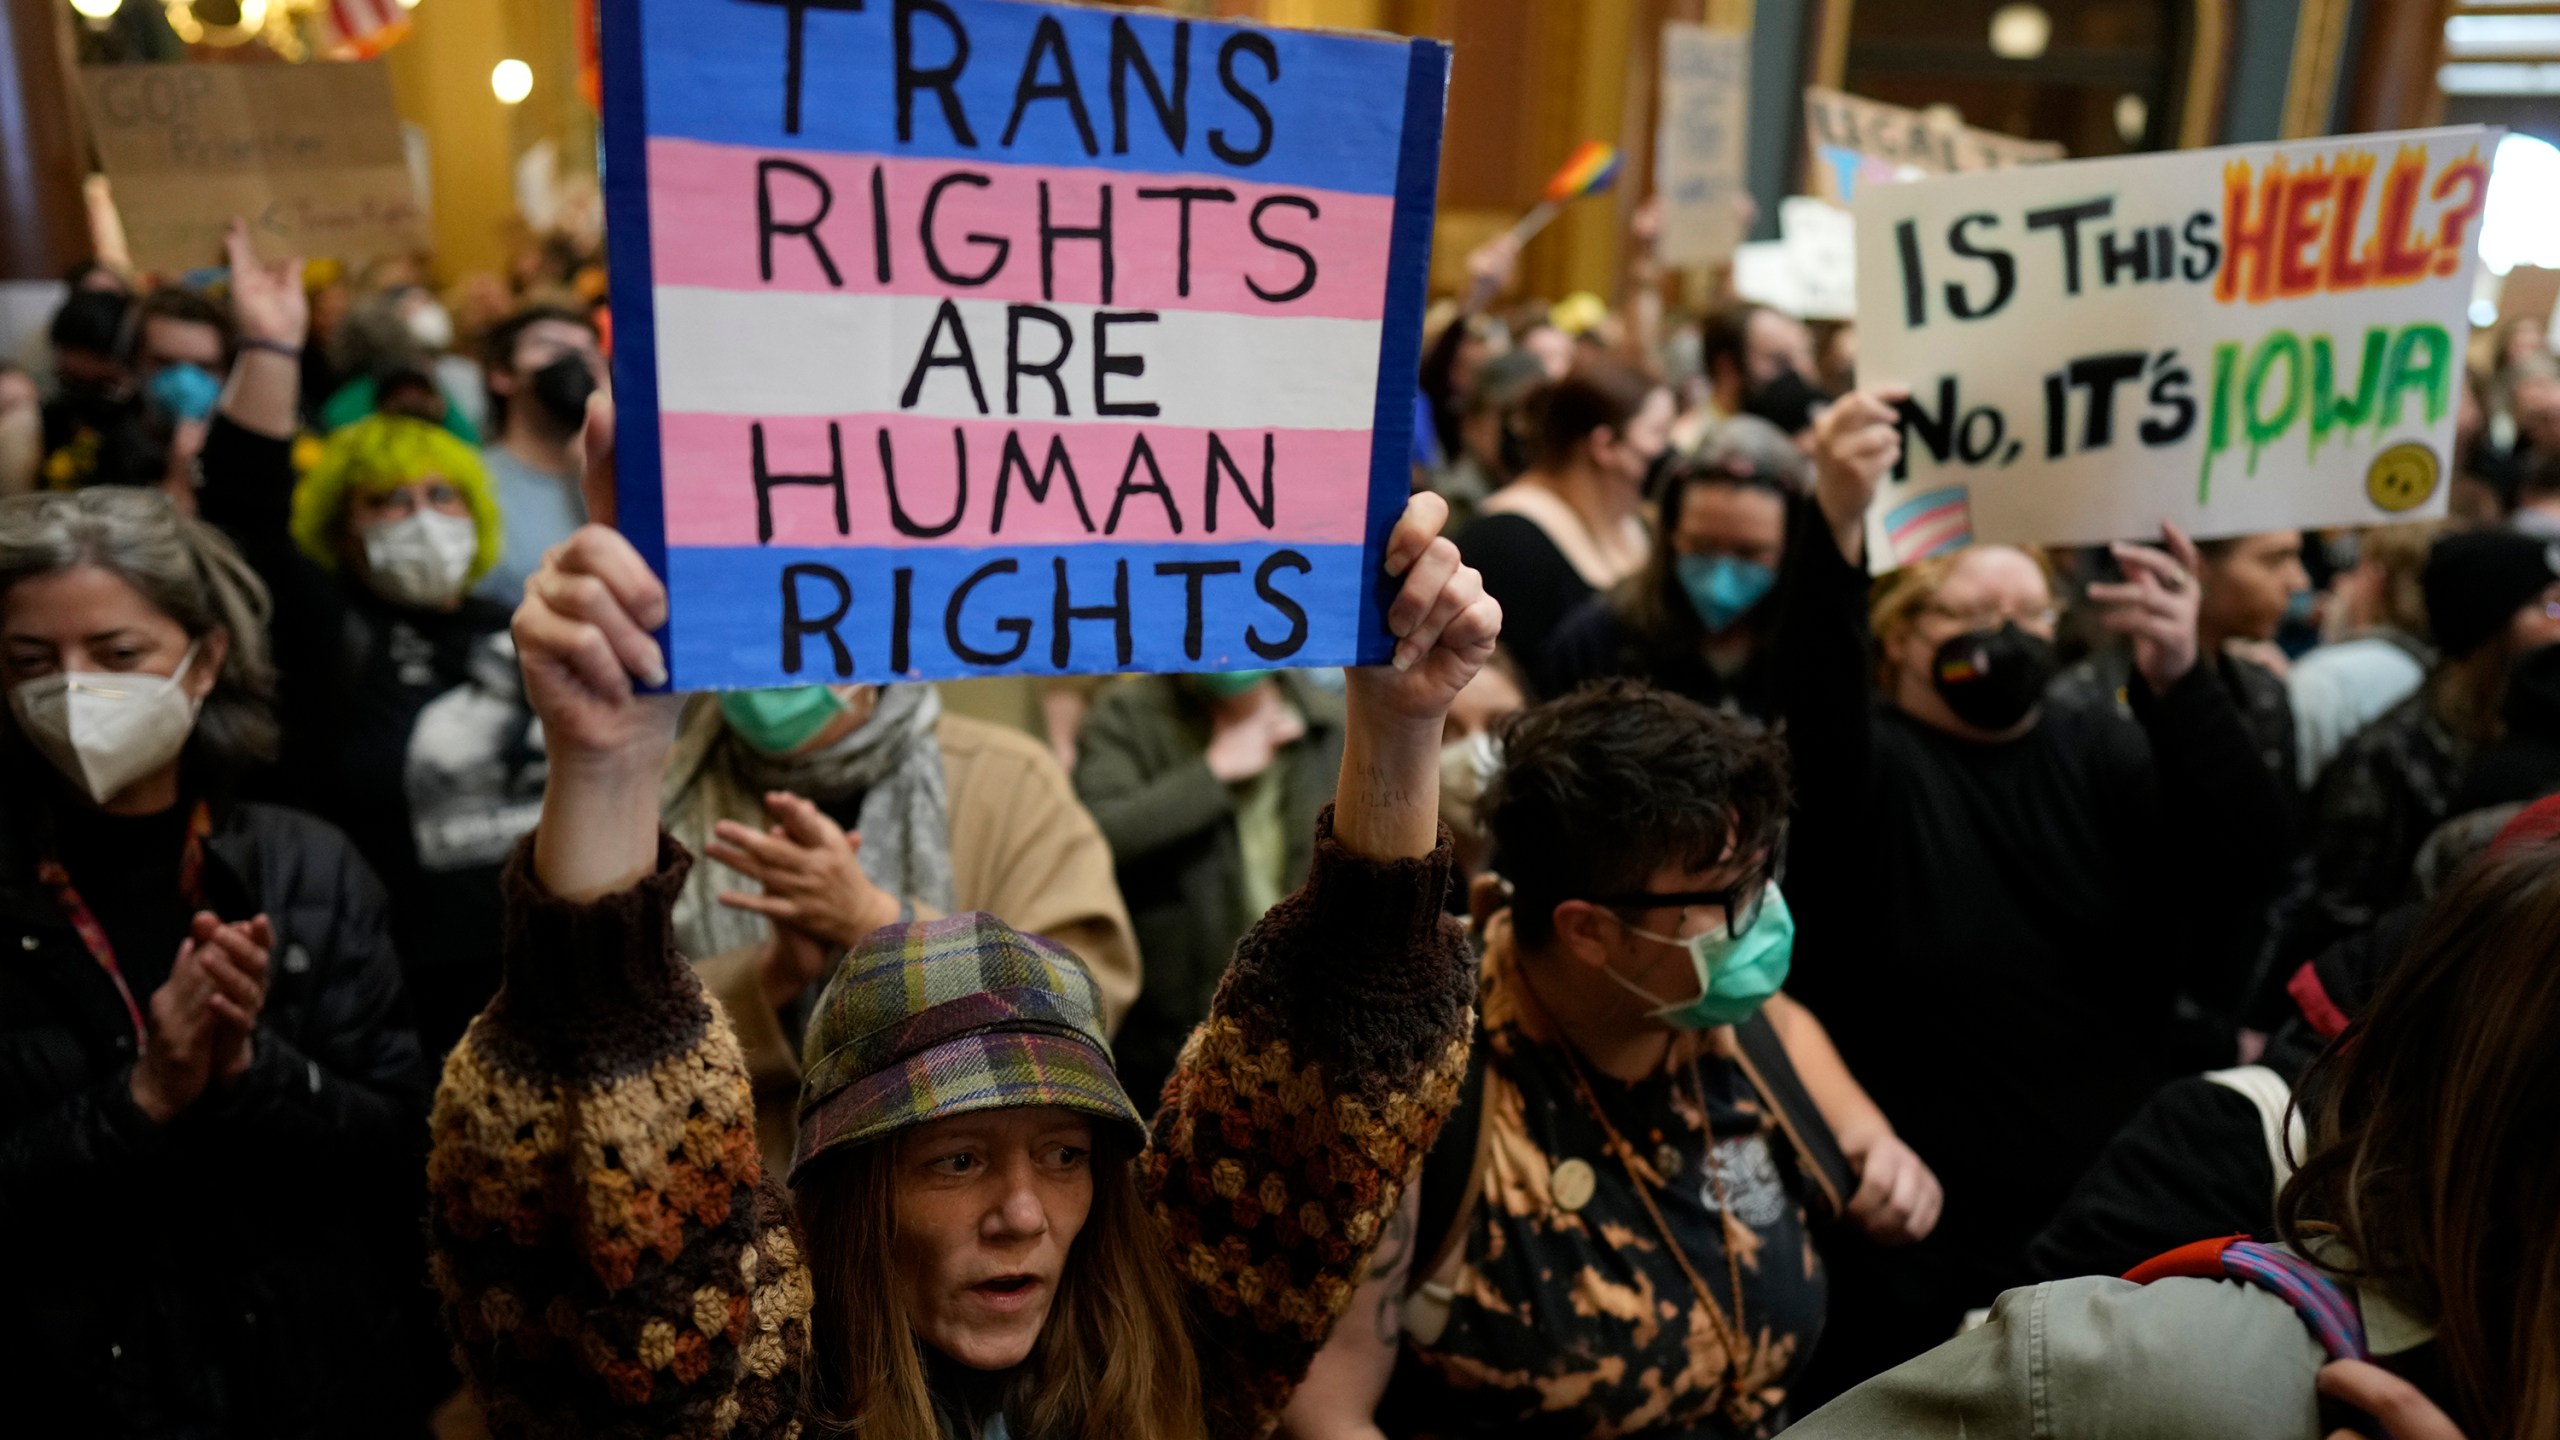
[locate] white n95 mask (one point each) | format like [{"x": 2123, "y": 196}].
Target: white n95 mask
[
  {"x": 105, "y": 729},
  {"x": 421, "y": 560}
]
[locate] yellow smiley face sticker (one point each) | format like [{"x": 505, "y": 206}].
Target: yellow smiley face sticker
[{"x": 2402, "y": 478}]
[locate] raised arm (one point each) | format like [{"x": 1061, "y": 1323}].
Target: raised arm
[
  {"x": 2226, "y": 815},
  {"x": 1826, "y": 698},
  {"x": 273, "y": 317},
  {"x": 247, "y": 466},
  {"x": 612, "y": 1257},
  {"x": 1337, "y": 1039}
]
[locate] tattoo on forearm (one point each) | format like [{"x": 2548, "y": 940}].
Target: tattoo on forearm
[{"x": 1383, "y": 790}]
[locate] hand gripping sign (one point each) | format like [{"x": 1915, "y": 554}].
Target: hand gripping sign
[
  {"x": 2255, "y": 338},
  {"x": 967, "y": 337}
]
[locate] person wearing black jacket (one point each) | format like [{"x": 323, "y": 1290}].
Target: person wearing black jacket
[
  {"x": 1999, "y": 888},
  {"x": 2195, "y": 1162},
  {"x": 211, "y": 1101},
  {"x": 403, "y": 713}
]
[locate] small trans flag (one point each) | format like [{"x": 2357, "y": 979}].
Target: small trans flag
[{"x": 1930, "y": 524}]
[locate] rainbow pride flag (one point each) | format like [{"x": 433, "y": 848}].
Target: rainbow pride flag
[{"x": 1592, "y": 168}]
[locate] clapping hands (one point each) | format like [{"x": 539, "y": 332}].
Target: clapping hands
[{"x": 201, "y": 1025}]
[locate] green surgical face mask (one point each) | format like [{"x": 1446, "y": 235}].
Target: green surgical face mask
[
  {"x": 1228, "y": 684},
  {"x": 778, "y": 722},
  {"x": 1735, "y": 974}
]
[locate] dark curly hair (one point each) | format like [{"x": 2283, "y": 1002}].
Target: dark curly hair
[{"x": 1601, "y": 788}]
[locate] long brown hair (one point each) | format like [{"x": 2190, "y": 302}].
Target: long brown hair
[
  {"x": 2435, "y": 1123},
  {"x": 1114, "y": 1361}
]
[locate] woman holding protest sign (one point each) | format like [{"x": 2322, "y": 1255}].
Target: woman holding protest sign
[
  {"x": 987, "y": 1238},
  {"x": 1979, "y": 857}
]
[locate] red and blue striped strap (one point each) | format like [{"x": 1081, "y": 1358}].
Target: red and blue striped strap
[{"x": 2326, "y": 1303}]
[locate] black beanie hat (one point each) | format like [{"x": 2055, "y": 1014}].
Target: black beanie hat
[{"x": 2476, "y": 579}]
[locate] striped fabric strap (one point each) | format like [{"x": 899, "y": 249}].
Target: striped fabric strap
[{"x": 2323, "y": 1301}]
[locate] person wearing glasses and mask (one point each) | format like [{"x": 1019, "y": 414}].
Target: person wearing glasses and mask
[
  {"x": 2003, "y": 885},
  {"x": 1612, "y": 1236}
]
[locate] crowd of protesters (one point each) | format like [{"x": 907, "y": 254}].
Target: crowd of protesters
[{"x": 1697, "y": 990}]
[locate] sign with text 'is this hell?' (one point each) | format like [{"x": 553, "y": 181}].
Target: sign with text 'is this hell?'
[
  {"x": 966, "y": 337},
  {"x": 2263, "y": 337}
]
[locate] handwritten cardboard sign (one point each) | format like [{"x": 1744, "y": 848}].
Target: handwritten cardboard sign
[
  {"x": 2254, "y": 338},
  {"x": 310, "y": 154},
  {"x": 1699, "y": 159},
  {"x": 968, "y": 337},
  {"x": 1856, "y": 141}
]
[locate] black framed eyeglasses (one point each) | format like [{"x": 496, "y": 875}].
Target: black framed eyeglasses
[{"x": 1740, "y": 902}]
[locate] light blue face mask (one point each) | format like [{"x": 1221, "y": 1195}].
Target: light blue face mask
[
  {"x": 1724, "y": 588},
  {"x": 186, "y": 390},
  {"x": 1736, "y": 974}
]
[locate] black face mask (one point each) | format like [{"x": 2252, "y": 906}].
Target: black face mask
[
  {"x": 1993, "y": 679},
  {"x": 561, "y": 388},
  {"x": 1788, "y": 402}
]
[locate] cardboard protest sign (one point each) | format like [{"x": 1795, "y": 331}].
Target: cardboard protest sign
[
  {"x": 310, "y": 154},
  {"x": 2254, "y": 338},
  {"x": 1856, "y": 141},
  {"x": 1699, "y": 159},
  {"x": 969, "y": 337}
]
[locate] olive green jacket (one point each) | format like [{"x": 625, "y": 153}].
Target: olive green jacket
[{"x": 1140, "y": 769}]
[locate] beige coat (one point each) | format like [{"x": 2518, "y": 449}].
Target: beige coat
[{"x": 1023, "y": 849}]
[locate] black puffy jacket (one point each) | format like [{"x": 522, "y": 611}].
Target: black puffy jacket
[{"x": 252, "y": 1268}]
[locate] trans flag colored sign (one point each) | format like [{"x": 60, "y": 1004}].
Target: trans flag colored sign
[{"x": 971, "y": 337}]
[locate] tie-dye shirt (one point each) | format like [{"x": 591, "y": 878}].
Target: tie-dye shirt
[{"x": 1573, "y": 1322}]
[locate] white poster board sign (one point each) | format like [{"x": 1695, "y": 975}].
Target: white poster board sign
[
  {"x": 1699, "y": 149},
  {"x": 1811, "y": 270},
  {"x": 2252, "y": 338}
]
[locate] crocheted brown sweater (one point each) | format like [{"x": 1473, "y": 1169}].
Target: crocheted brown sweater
[{"x": 615, "y": 1262}]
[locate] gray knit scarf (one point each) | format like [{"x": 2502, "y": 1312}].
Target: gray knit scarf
[{"x": 892, "y": 760}]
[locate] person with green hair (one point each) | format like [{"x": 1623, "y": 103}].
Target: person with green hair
[
  {"x": 403, "y": 710},
  {"x": 404, "y": 506}
]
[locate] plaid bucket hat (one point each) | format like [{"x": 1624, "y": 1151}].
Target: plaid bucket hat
[{"x": 945, "y": 1017}]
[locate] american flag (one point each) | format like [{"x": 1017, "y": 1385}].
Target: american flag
[{"x": 361, "y": 29}]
